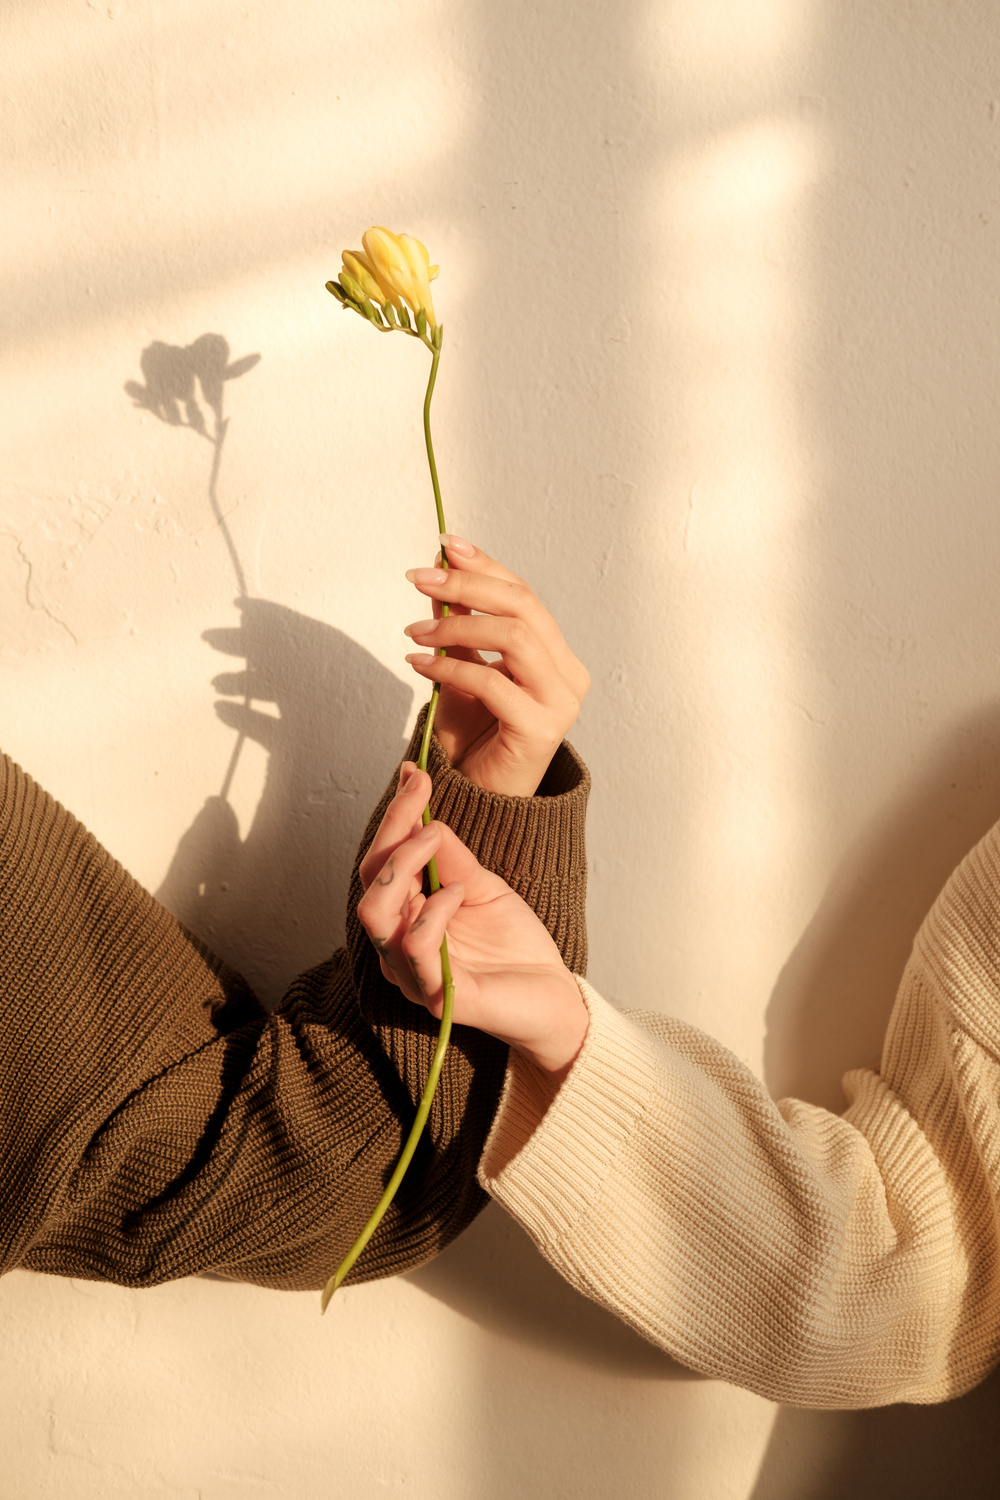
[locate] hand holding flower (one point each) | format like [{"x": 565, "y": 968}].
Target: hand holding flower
[
  {"x": 499, "y": 722},
  {"x": 509, "y": 977}
]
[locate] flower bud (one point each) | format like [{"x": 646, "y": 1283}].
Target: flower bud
[
  {"x": 351, "y": 287},
  {"x": 359, "y": 268}
]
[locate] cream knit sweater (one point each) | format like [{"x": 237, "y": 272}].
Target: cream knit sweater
[{"x": 821, "y": 1260}]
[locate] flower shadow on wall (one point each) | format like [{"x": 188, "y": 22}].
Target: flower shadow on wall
[
  {"x": 328, "y": 715},
  {"x": 174, "y": 374}
]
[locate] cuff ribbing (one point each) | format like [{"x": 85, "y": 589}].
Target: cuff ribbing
[
  {"x": 523, "y": 839},
  {"x": 548, "y": 1166}
]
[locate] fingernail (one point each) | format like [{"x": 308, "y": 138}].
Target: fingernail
[
  {"x": 427, "y": 832},
  {"x": 427, "y": 575},
  {"x": 419, "y": 659},
  {"x": 457, "y": 544},
  {"x": 406, "y": 770},
  {"x": 420, "y": 627}
]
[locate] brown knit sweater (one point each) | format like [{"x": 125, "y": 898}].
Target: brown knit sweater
[{"x": 155, "y": 1122}]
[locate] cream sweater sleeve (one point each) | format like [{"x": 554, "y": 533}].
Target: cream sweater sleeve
[{"x": 821, "y": 1260}]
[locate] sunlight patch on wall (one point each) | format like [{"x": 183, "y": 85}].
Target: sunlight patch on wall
[
  {"x": 729, "y": 282},
  {"x": 735, "y": 324}
]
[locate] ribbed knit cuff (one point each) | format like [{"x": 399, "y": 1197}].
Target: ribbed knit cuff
[
  {"x": 530, "y": 838},
  {"x": 548, "y": 1166}
]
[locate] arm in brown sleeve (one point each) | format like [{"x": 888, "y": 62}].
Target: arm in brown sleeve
[{"x": 155, "y": 1122}]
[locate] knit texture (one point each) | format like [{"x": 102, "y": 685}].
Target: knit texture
[
  {"x": 155, "y": 1122},
  {"x": 820, "y": 1260}
]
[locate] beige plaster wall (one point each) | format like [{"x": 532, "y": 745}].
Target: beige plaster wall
[{"x": 719, "y": 279}]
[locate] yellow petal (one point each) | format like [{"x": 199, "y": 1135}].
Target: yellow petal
[
  {"x": 400, "y": 266},
  {"x": 419, "y": 263},
  {"x": 384, "y": 256}
]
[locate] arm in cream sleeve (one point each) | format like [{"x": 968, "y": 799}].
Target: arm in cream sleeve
[{"x": 820, "y": 1260}]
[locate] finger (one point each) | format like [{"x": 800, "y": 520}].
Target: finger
[
  {"x": 507, "y": 701},
  {"x": 526, "y": 658},
  {"x": 421, "y": 944},
  {"x": 391, "y": 959},
  {"x": 389, "y": 907},
  {"x": 412, "y": 796},
  {"x": 441, "y": 564},
  {"x": 468, "y": 558},
  {"x": 501, "y": 596},
  {"x": 420, "y": 631},
  {"x": 394, "y": 886},
  {"x": 454, "y": 862}
]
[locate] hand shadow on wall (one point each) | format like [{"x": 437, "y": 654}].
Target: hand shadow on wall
[
  {"x": 828, "y": 1014},
  {"x": 272, "y": 904}
]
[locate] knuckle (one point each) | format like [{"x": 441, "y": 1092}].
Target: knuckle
[
  {"x": 507, "y": 692},
  {"x": 518, "y": 634}
]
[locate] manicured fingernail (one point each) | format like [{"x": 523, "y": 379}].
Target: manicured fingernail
[
  {"x": 420, "y": 627},
  {"x": 458, "y": 545},
  {"x": 427, "y": 575},
  {"x": 419, "y": 659},
  {"x": 406, "y": 770}
]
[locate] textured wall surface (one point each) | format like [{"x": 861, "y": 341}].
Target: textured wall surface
[{"x": 719, "y": 281}]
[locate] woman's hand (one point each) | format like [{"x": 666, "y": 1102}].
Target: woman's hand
[
  {"x": 501, "y": 722},
  {"x": 509, "y": 978}
]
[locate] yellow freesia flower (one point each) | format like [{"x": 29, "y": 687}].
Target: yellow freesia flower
[
  {"x": 402, "y": 268},
  {"x": 360, "y": 269}
]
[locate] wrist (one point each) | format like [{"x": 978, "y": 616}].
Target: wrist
[{"x": 554, "y": 1050}]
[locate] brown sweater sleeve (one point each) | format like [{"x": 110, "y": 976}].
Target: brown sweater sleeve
[{"x": 156, "y": 1123}]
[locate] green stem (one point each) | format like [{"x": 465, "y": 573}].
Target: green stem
[
  {"x": 436, "y": 355},
  {"x": 448, "y": 983}
]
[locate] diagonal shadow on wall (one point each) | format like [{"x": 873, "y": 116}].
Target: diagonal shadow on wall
[{"x": 828, "y": 1013}]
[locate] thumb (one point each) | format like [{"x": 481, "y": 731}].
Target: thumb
[{"x": 457, "y": 863}]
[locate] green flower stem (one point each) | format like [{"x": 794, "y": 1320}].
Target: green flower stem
[
  {"x": 436, "y": 355},
  {"x": 444, "y": 1030}
]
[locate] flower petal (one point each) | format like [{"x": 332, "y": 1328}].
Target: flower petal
[{"x": 400, "y": 265}]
